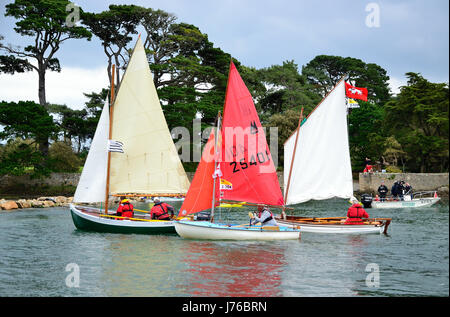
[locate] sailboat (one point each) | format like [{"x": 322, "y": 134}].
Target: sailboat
[
  {"x": 236, "y": 166},
  {"x": 317, "y": 166},
  {"x": 132, "y": 154}
]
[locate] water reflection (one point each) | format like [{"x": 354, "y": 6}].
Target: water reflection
[
  {"x": 234, "y": 269},
  {"x": 140, "y": 265}
]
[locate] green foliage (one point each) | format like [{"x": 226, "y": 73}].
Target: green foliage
[
  {"x": 418, "y": 118},
  {"x": 63, "y": 159},
  {"x": 114, "y": 28},
  {"x": 19, "y": 157},
  {"x": 393, "y": 169},
  {"x": 27, "y": 120},
  {"x": 287, "y": 123},
  {"x": 45, "y": 22},
  {"x": 325, "y": 71},
  {"x": 286, "y": 89},
  {"x": 366, "y": 137},
  {"x": 10, "y": 65}
]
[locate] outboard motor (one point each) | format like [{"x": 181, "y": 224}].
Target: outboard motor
[{"x": 366, "y": 200}]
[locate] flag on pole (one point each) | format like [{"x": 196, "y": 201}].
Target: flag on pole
[
  {"x": 115, "y": 146},
  {"x": 356, "y": 92},
  {"x": 351, "y": 103}
]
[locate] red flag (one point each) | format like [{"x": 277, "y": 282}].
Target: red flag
[{"x": 356, "y": 92}]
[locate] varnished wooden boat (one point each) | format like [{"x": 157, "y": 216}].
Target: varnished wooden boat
[{"x": 335, "y": 224}]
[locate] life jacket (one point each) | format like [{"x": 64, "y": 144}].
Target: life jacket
[
  {"x": 355, "y": 214},
  {"x": 160, "y": 213},
  {"x": 125, "y": 210}
]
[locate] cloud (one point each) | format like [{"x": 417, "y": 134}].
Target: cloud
[
  {"x": 66, "y": 87},
  {"x": 395, "y": 84}
]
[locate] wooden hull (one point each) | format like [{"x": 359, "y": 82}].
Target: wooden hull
[
  {"x": 334, "y": 225},
  {"x": 205, "y": 230},
  {"x": 89, "y": 219},
  {"x": 414, "y": 203}
]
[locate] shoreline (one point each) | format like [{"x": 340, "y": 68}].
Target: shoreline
[{"x": 41, "y": 202}]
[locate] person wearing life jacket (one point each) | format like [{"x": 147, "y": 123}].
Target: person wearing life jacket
[
  {"x": 125, "y": 209},
  {"x": 265, "y": 217},
  {"x": 160, "y": 210},
  {"x": 355, "y": 214}
]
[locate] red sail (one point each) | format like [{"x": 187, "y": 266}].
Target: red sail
[
  {"x": 247, "y": 166},
  {"x": 199, "y": 195}
]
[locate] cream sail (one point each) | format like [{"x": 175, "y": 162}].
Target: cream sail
[
  {"x": 150, "y": 162},
  {"x": 143, "y": 158},
  {"x": 92, "y": 184},
  {"x": 322, "y": 167}
]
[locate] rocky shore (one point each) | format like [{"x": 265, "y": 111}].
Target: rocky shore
[{"x": 41, "y": 202}]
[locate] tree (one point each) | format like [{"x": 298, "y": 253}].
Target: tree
[
  {"x": 28, "y": 120},
  {"x": 11, "y": 64},
  {"x": 72, "y": 123},
  {"x": 45, "y": 22},
  {"x": 19, "y": 156},
  {"x": 366, "y": 133},
  {"x": 418, "y": 119},
  {"x": 286, "y": 89},
  {"x": 114, "y": 28},
  {"x": 287, "y": 123},
  {"x": 324, "y": 72},
  {"x": 63, "y": 158}
]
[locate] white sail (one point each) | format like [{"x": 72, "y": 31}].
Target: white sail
[
  {"x": 322, "y": 167},
  {"x": 92, "y": 185},
  {"x": 150, "y": 162}
]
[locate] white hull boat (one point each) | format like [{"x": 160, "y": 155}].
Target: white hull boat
[
  {"x": 334, "y": 225},
  {"x": 413, "y": 203},
  {"x": 205, "y": 230},
  {"x": 308, "y": 172}
]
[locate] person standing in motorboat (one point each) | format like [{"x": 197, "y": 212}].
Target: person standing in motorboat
[
  {"x": 382, "y": 191},
  {"x": 397, "y": 190},
  {"x": 408, "y": 190},
  {"x": 265, "y": 217}
]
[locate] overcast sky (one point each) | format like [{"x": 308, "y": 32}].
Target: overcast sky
[{"x": 406, "y": 35}]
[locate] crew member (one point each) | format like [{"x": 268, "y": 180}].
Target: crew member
[
  {"x": 125, "y": 209},
  {"x": 355, "y": 214},
  {"x": 383, "y": 190},
  {"x": 160, "y": 210},
  {"x": 264, "y": 216}
]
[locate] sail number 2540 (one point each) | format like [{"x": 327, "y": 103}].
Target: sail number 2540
[{"x": 259, "y": 158}]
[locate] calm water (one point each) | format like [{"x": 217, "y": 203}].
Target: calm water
[{"x": 38, "y": 244}]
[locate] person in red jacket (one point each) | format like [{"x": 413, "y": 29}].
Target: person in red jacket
[
  {"x": 125, "y": 209},
  {"x": 160, "y": 211},
  {"x": 355, "y": 214}
]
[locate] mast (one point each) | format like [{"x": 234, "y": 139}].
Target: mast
[
  {"x": 216, "y": 152},
  {"x": 109, "y": 137},
  {"x": 293, "y": 157}
]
